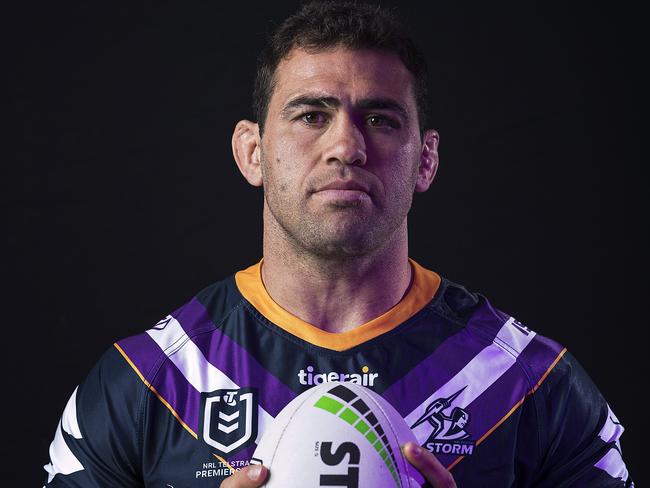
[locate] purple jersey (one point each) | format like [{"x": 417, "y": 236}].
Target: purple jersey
[{"x": 185, "y": 403}]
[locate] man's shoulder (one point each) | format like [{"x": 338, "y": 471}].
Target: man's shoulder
[
  {"x": 146, "y": 351},
  {"x": 489, "y": 328},
  {"x": 500, "y": 340},
  {"x": 219, "y": 299}
]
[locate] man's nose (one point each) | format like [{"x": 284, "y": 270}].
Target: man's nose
[{"x": 346, "y": 143}]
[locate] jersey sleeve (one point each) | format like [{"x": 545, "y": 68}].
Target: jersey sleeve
[
  {"x": 579, "y": 433},
  {"x": 96, "y": 441}
]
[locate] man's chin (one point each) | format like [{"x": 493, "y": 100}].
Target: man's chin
[{"x": 343, "y": 246}]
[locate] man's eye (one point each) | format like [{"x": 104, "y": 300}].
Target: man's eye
[
  {"x": 313, "y": 118},
  {"x": 381, "y": 121}
]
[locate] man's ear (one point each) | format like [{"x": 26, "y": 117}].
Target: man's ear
[
  {"x": 246, "y": 147},
  {"x": 428, "y": 160}
]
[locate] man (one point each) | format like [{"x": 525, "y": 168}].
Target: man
[{"x": 339, "y": 148}]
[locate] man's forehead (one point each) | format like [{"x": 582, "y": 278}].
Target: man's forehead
[{"x": 343, "y": 74}]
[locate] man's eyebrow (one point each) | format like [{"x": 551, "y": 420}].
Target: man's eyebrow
[
  {"x": 375, "y": 103},
  {"x": 383, "y": 104},
  {"x": 310, "y": 100}
]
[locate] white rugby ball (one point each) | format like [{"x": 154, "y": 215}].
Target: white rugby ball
[{"x": 339, "y": 435}]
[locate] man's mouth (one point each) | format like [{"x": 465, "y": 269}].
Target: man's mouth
[{"x": 348, "y": 191}]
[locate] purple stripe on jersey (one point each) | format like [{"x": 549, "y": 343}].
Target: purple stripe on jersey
[
  {"x": 540, "y": 354},
  {"x": 498, "y": 400},
  {"x": 144, "y": 353},
  {"x": 180, "y": 394},
  {"x": 494, "y": 404},
  {"x": 232, "y": 359},
  {"x": 165, "y": 377},
  {"x": 445, "y": 362}
]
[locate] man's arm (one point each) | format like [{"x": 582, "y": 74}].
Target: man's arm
[
  {"x": 579, "y": 435},
  {"x": 95, "y": 444}
]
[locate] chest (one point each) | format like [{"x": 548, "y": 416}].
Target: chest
[{"x": 217, "y": 394}]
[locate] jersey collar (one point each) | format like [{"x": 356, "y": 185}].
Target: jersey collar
[{"x": 424, "y": 285}]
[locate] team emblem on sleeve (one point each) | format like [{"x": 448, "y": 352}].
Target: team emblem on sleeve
[
  {"x": 448, "y": 435},
  {"x": 229, "y": 419}
]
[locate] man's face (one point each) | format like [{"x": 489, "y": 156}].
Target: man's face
[{"x": 340, "y": 150}]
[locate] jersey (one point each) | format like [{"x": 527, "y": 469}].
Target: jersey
[{"x": 185, "y": 403}]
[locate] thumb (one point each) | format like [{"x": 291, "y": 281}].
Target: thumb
[
  {"x": 427, "y": 464},
  {"x": 251, "y": 476}
]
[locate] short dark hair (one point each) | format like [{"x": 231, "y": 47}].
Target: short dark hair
[{"x": 320, "y": 25}]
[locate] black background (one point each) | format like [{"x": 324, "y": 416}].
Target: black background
[{"x": 120, "y": 198}]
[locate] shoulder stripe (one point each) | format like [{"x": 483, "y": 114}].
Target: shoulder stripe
[
  {"x": 448, "y": 359},
  {"x": 475, "y": 378},
  {"x": 515, "y": 407},
  {"x": 200, "y": 374},
  {"x": 155, "y": 392},
  {"x": 186, "y": 355},
  {"x": 179, "y": 382},
  {"x": 481, "y": 378},
  {"x": 133, "y": 366},
  {"x": 233, "y": 360}
]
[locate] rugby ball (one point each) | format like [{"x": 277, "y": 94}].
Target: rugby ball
[{"x": 337, "y": 434}]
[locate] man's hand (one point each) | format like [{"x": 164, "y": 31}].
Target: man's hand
[
  {"x": 250, "y": 477},
  {"x": 435, "y": 473},
  {"x": 427, "y": 464}
]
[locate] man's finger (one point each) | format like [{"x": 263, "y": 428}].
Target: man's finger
[
  {"x": 250, "y": 477},
  {"x": 427, "y": 464}
]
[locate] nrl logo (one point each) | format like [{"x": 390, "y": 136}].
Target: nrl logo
[
  {"x": 229, "y": 419},
  {"x": 448, "y": 435}
]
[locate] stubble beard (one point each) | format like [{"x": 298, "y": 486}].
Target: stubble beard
[
  {"x": 341, "y": 234},
  {"x": 336, "y": 233}
]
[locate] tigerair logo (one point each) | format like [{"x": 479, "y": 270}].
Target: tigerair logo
[{"x": 364, "y": 378}]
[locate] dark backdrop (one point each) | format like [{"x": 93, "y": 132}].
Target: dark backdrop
[{"x": 120, "y": 198}]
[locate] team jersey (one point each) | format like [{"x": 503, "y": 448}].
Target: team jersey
[{"x": 185, "y": 403}]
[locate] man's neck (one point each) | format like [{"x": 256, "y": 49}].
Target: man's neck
[{"x": 337, "y": 295}]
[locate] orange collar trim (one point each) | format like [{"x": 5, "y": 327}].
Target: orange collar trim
[{"x": 423, "y": 287}]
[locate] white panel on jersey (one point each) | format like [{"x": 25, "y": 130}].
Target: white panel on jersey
[
  {"x": 612, "y": 463},
  {"x": 191, "y": 362},
  {"x": 612, "y": 430},
  {"x": 69, "y": 418},
  {"x": 479, "y": 374},
  {"x": 62, "y": 460},
  {"x": 514, "y": 336}
]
